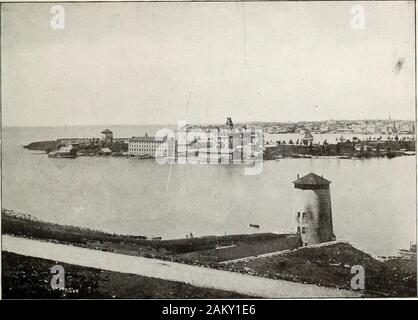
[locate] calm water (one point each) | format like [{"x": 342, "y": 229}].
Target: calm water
[{"x": 373, "y": 200}]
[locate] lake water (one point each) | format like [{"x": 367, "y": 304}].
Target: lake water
[{"x": 373, "y": 200}]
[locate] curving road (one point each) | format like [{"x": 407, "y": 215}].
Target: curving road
[{"x": 194, "y": 275}]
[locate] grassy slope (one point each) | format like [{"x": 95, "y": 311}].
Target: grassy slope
[
  {"x": 331, "y": 266},
  {"x": 243, "y": 250},
  {"x": 25, "y": 226},
  {"x": 317, "y": 265}
]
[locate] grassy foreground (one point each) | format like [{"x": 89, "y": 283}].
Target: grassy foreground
[
  {"x": 200, "y": 250},
  {"x": 326, "y": 266},
  {"x": 331, "y": 266},
  {"x": 26, "y": 277}
]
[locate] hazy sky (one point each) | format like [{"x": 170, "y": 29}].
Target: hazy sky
[{"x": 156, "y": 63}]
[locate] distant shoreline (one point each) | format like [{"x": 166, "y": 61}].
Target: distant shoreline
[
  {"x": 340, "y": 150},
  {"x": 256, "y": 122}
]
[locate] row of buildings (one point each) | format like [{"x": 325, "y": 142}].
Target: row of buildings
[
  {"x": 386, "y": 127},
  {"x": 218, "y": 144}
]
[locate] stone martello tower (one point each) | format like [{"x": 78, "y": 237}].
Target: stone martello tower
[{"x": 313, "y": 209}]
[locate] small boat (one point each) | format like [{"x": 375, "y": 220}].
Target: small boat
[{"x": 254, "y": 226}]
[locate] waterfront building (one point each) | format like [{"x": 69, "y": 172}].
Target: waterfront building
[
  {"x": 68, "y": 151},
  {"x": 307, "y": 138},
  {"x": 219, "y": 144},
  {"x": 313, "y": 211},
  {"x": 183, "y": 144},
  {"x": 148, "y": 146},
  {"x": 105, "y": 152},
  {"x": 222, "y": 146}
]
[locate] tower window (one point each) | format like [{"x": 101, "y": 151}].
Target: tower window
[
  {"x": 298, "y": 229},
  {"x": 303, "y": 230},
  {"x": 298, "y": 214},
  {"x": 303, "y": 214}
]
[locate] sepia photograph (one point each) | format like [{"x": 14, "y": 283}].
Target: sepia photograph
[{"x": 208, "y": 150}]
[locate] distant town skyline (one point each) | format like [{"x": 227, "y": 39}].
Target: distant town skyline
[
  {"x": 160, "y": 63},
  {"x": 215, "y": 123}
]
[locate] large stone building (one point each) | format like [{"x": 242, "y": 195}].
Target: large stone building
[
  {"x": 223, "y": 144},
  {"x": 313, "y": 209},
  {"x": 148, "y": 146}
]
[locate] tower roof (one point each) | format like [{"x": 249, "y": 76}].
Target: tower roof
[
  {"x": 106, "y": 131},
  {"x": 311, "y": 179}
]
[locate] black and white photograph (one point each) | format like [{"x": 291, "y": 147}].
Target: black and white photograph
[{"x": 208, "y": 150}]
